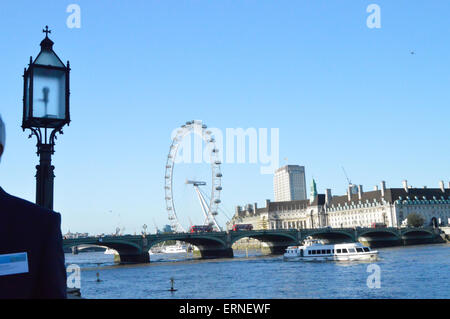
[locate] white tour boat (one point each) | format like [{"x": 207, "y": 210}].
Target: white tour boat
[
  {"x": 110, "y": 251},
  {"x": 174, "y": 249},
  {"x": 316, "y": 250}
]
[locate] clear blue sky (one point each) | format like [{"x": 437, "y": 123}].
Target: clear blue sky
[{"x": 340, "y": 93}]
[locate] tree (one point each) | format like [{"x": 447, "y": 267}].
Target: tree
[{"x": 415, "y": 220}]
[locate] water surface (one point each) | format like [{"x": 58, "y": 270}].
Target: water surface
[{"x": 421, "y": 271}]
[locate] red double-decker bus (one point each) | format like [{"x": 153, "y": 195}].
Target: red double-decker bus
[
  {"x": 238, "y": 227},
  {"x": 201, "y": 228}
]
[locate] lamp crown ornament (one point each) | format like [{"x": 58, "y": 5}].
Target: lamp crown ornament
[
  {"x": 46, "y": 31},
  {"x": 47, "y": 44}
]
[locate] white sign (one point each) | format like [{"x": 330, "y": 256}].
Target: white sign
[{"x": 12, "y": 264}]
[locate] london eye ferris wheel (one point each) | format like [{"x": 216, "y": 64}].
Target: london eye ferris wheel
[{"x": 208, "y": 202}]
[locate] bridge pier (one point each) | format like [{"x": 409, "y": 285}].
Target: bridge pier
[
  {"x": 277, "y": 249},
  {"x": 216, "y": 253},
  {"x": 143, "y": 258}
]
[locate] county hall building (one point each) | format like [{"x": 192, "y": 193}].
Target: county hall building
[{"x": 388, "y": 206}]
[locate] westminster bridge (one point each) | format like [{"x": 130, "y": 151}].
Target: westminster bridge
[{"x": 134, "y": 249}]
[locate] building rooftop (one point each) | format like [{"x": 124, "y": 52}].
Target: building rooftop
[
  {"x": 390, "y": 195},
  {"x": 393, "y": 194},
  {"x": 290, "y": 167}
]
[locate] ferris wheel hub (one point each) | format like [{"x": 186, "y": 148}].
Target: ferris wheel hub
[{"x": 195, "y": 183}]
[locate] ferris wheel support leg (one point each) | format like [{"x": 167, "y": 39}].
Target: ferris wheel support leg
[{"x": 202, "y": 202}]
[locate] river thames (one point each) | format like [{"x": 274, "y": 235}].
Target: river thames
[{"x": 421, "y": 271}]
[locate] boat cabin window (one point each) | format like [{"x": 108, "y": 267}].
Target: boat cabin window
[
  {"x": 328, "y": 251},
  {"x": 324, "y": 251},
  {"x": 313, "y": 252},
  {"x": 338, "y": 251},
  {"x": 352, "y": 250},
  {"x": 366, "y": 249},
  {"x": 359, "y": 250},
  {"x": 344, "y": 250},
  {"x": 309, "y": 252}
]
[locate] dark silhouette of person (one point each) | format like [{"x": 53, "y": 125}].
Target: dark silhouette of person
[{"x": 31, "y": 252}]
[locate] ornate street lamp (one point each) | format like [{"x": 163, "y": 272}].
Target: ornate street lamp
[
  {"x": 46, "y": 111},
  {"x": 144, "y": 227}
]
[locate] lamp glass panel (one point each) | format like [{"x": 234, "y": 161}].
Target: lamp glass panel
[
  {"x": 48, "y": 58},
  {"x": 27, "y": 98},
  {"x": 49, "y": 94}
]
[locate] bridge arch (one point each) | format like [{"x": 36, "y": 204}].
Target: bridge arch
[
  {"x": 204, "y": 241},
  {"x": 388, "y": 231},
  {"x": 129, "y": 251},
  {"x": 379, "y": 237},
  {"x": 418, "y": 230},
  {"x": 109, "y": 244},
  {"x": 334, "y": 235},
  {"x": 266, "y": 237},
  {"x": 88, "y": 246},
  {"x": 418, "y": 236},
  {"x": 277, "y": 241},
  {"x": 210, "y": 245}
]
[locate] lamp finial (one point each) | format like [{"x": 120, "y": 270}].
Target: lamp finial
[{"x": 46, "y": 31}]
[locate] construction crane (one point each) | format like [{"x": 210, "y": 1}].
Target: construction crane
[
  {"x": 346, "y": 176},
  {"x": 353, "y": 189}
]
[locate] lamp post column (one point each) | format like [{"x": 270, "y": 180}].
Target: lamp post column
[
  {"x": 46, "y": 110},
  {"x": 45, "y": 177}
]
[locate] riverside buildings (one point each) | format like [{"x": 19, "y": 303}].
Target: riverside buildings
[
  {"x": 289, "y": 183},
  {"x": 389, "y": 206}
]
